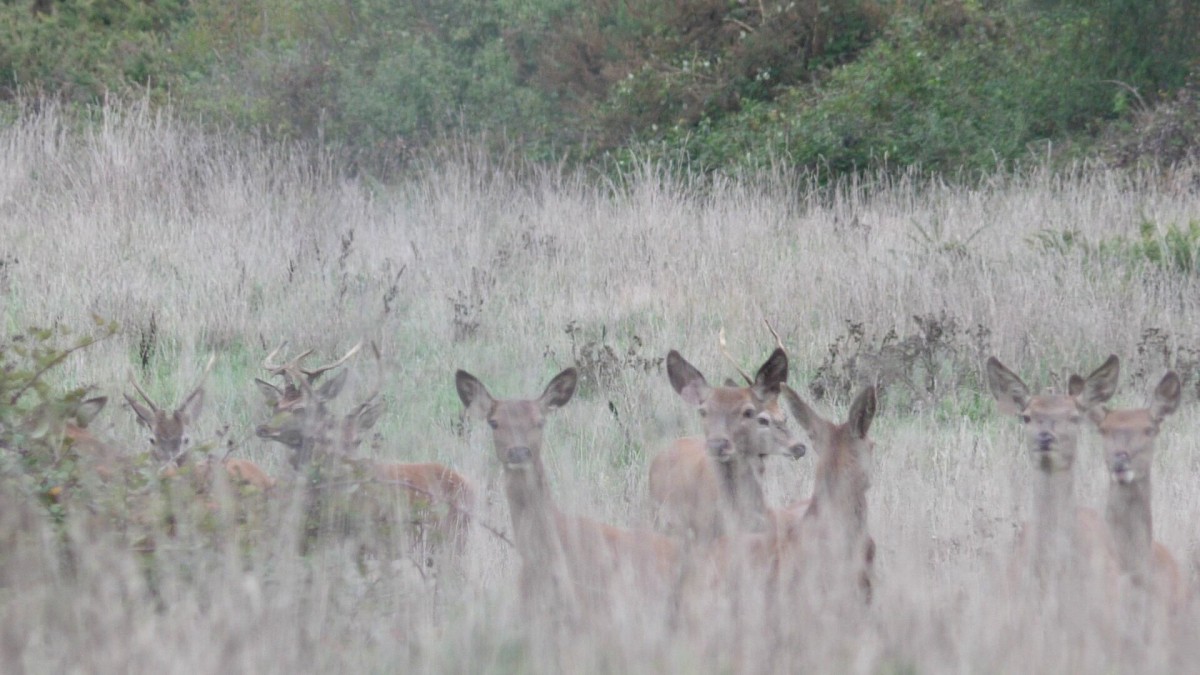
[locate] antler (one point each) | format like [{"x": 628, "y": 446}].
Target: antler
[
  {"x": 315, "y": 373},
  {"x": 728, "y": 357},
  {"x": 778, "y": 340},
  {"x": 138, "y": 388},
  {"x": 291, "y": 370},
  {"x": 154, "y": 406},
  {"x": 203, "y": 376},
  {"x": 287, "y": 367}
]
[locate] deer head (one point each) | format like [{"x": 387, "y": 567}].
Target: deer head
[{"x": 168, "y": 428}]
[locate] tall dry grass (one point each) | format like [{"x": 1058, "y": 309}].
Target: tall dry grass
[{"x": 200, "y": 243}]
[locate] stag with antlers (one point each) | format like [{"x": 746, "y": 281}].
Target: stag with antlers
[{"x": 302, "y": 422}]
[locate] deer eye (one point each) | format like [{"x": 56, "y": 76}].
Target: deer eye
[
  {"x": 1026, "y": 419},
  {"x": 748, "y": 413},
  {"x": 703, "y": 412},
  {"x": 493, "y": 424},
  {"x": 153, "y": 440}
]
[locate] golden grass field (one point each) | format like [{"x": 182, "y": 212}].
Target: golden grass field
[{"x": 199, "y": 243}]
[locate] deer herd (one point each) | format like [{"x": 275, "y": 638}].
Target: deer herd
[{"x": 713, "y": 530}]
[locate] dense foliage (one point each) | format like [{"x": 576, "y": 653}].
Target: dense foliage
[{"x": 833, "y": 85}]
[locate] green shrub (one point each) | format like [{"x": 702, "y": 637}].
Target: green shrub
[
  {"x": 83, "y": 49},
  {"x": 974, "y": 94}
]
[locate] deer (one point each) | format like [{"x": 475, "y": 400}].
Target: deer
[
  {"x": 828, "y": 532},
  {"x": 301, "y": 421},
  {"x": 301, "y": 404},
  {"x": 104, "y": 459},
  {"x": 171, "y": 443},
  {"x": 569, "y": 563},
  {"x": 1063, "y": 542},
  {"x": 683, "y": 478},
  {"x": 1128, "y": 439},
  {"x": 739, "y": 431}
]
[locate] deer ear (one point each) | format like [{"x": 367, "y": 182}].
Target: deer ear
[
  {"x": 88, "y": 410},
  {"x": 269, "y": 391},
  {"x": 688, "y": 382},
  {"x": 560, "y": 390},
  {"x": 368, "y": 416},
  {"x": 805, "y": 415},
  {"x": 190, "y": 410},
  {"x": 772, "y": 374},
  {"x": 144, "y": 416},
  {"x": 1166, "y": 396},
  {"x": 1012, "y": 396},
  {"x": 333, "y": 386},
  {"x": 1101, "y": 384},
  {"x": 474, "y": 396},
  {"x": 862, "y": 412},
  {"x": 1075, "y": 385}
]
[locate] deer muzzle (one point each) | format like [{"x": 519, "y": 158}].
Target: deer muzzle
[
  {"x": 720, "y": 449},
  {"x": 1121, "y": 468},
  {"x": 518, "y": 457}
]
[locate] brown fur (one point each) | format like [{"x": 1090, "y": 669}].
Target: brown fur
[
  {"x": 827, "y": 534},
  {"x": 711, "y": 488},
  {"x": 437, "y": 484},
  {"x": 1128, "y": 437},
  {"x": 569, "y": 563},
  {"x": 301, "y": 422},
  {"x": 1062, "y": 542}
]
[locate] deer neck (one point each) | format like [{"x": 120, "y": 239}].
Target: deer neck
[
  {"x": 840, "y": 501},
  {"x": 532, "y": 509},
  {"x": 1131, "y": 525},
  {"x": 1054, "y": 518},
  {"x": 741, "y": 492}
]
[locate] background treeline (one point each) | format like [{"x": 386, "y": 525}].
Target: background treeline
[{"x": 831, "y": 85}]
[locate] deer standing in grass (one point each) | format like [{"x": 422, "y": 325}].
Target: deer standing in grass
[
  {"x": 826, "y": 536},
  {"x": 302, "y": 422},
  {"x": 741, "y": 427},
  {"x": 171, "y": 444},
  {"x": 690, "y": 489},
  {"x": 568, "y": 562},
  {"x": 1062, "y": 543},
  {"x": 1128, "y": 437}
]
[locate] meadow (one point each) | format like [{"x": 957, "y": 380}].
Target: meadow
[{"x": 200, "y": 244}]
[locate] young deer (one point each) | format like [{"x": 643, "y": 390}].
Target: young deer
[
  {"x": 169, "y": 438},
  {"x": 104, "y": 458},
  {"x": 1128, "y": 438},
  {"x": 828, "y": 532},
  {"x": 683, "y": 480},
  {"x": 1062, "y": 540},
  {"x": 720, "y": 492},
  {"x": 568, "y": 562},
  {"x": 301, "y": 421}
]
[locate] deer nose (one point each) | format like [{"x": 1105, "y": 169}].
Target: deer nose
[
  {"x": 1121, "y": 460},
  {"x": 518, "y": 455},
  {"x": 798, "y": 450},
  {"x": 720, "y": 448},
  {"x": 1044, "y": 439}
]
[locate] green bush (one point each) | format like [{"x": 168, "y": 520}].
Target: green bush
[
  {"x": 971, "y": 95},
  {"x": 82, "y": 50}
]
